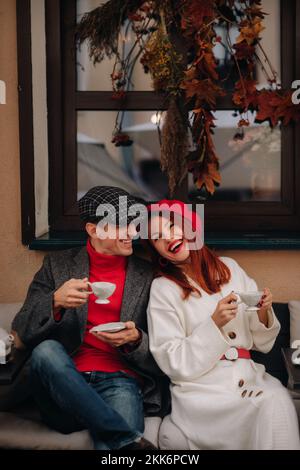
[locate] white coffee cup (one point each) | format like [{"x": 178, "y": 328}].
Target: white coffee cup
[
  {"x": 251, "y": 299},
  {"x": 102, "y": 290},
  {"x": 296, "y": 354},
  {"x": 6, "y": 341}
]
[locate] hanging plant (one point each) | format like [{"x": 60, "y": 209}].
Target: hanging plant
[
  {"x": 163, "y": 62},
  {"x": 175, "y": 40},
  {"x": 175, "y": 144}
]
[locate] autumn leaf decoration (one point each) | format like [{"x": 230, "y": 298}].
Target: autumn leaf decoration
[
  {"x": 175, "y": 42},
  {"x": 201, "y": 86},
  {"x": 274, "y": 104}
]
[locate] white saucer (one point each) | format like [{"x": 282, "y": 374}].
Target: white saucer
[
  {"x": 108, "y": 327},
  {"x": 102, "y": 301}
]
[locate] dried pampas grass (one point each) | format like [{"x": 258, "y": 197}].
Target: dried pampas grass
[
  {"x": 175, "y": 144},
  {"x": 101, "y": 27}
]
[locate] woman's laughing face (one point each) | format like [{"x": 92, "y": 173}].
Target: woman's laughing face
[{"x": 167, "y": 238}]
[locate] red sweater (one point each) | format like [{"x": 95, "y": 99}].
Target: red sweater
[{"x": 94, "y": 354}]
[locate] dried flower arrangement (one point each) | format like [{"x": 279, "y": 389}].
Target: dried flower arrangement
[{"x": 174, "y": 41}]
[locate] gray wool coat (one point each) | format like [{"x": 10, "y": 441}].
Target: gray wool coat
[{"x": 35, "y": 323}]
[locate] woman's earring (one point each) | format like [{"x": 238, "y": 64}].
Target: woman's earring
[{"x": 163, "y": 262}]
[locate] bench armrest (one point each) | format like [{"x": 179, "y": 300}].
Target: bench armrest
[{"x": 292, "y": 370}]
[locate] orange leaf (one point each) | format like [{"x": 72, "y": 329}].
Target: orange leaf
[
  {"x": 245, "y": 93},
  {"x": 208, "y": 177},
  {"x": 204, "y": 90},
  {"x": 250, "y": 31},
  {"x": 276, "y": 106}
]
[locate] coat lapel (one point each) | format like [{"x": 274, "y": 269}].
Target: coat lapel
[
  {"x": 80, "y": 270},
  {"x": 134, "y": 285},
  {"x": 81, "y": 264}
]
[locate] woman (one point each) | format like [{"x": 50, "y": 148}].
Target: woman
[{"x": 194, "y": 320}]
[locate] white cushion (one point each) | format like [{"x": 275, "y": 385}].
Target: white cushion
[
  {"x": 21, "y": 432},
  {"x": 152, "y": 425},
  {"x": 171, "y": 437},
  {"x": 7, "y": 314},
  {"x": 294, "y": 308}
]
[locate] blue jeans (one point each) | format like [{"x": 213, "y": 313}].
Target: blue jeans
[{"x": 109, "y": 405}]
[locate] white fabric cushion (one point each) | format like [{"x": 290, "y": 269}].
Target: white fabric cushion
[
  {"x": 171, "y": 437},
  {"x": 294, "y": 308},
  {"x": 20, "y": 433},
  {"x": 152, "y": 425},
  {"x": 7, "y": 314},
  {"x": 17, "y": 432}
]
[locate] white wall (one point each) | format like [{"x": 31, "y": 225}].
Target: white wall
[{"x": 271, "y": 37}]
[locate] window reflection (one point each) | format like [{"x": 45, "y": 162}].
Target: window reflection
[
  {"x": 250, "y": 161},
  {"x": 270, "y": 42},
  {"x": 135, "y": 169},
  {"x": 250, "y": 164},
  {"x": 97, "y": 78}
]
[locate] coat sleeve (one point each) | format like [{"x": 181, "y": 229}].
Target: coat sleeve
[
  {"x": 263, "y": 337},
  {"x": 181, "y": 357},
  {"x": 35, "y": 321}
]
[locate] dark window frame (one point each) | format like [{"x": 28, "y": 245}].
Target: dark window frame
[
  {"x": 25, "y": 120},
  {"x": 250, "y": 217}
]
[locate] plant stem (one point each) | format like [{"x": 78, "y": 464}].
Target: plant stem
[{"x": 268, "y": 61}]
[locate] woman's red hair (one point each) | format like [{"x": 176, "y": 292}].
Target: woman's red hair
[{"x": 210, "y": 272}]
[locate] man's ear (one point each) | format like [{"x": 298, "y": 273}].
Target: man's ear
[{"x": 91, "y": 229}]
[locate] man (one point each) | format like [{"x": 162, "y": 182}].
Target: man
[{"x": 96, "y": 381}]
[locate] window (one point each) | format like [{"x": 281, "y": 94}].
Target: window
[
  {"x": 135, "y": 168},
  {"x": 250, "y": 164},
  {"x": 259, "y": 193}
]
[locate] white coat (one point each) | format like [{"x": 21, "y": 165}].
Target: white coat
[{"x": 219, "y": 404}]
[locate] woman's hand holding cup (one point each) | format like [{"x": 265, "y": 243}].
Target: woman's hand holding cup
[
  {"x": 226, "y": 310},
  {"x": 264, "y": 305},
  {"x": 266, "y": 301}
]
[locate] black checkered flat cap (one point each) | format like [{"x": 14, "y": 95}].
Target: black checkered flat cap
[{"x": 109, "y": 202}]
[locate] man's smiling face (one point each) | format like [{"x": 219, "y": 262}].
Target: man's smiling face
[{"x": 112, "y": 240}]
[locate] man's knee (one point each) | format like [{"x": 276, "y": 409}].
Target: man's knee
[{"x": 49, "y": 352}]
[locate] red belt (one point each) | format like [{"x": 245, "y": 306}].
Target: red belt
[{"x": 233, "y": 354}]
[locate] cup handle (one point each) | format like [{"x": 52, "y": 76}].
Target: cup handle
[
  {"x": 296, "y": 344},
  {"x": 296, "y": 357},
  {"x": 239, "y": 301},
  {"x": 90, "y": 284}
]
